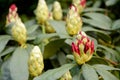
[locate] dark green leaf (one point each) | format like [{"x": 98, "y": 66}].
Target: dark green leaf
[
  {"x": 3, "y": 41},
  {"x": 55, "y": 74},
  {"x": 52, "y": 47},
  {"x": 19, "y": 65},
  {"x": 88, "y": 72},
  {"x": 105, "y": 74}
]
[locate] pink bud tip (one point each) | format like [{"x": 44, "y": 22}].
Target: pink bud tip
[
  {"x": 83, "y": 2},
  {"x": 73, "y": 7},
  {"x": 75, "y": 48},
  {"x": 13, "y": 7}
]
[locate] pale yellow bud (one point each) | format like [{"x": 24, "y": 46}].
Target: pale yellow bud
[
  {"x": 66, "y": 76},
  {"x": 19, "y": 32},
  {"x": 49, "y": 28},
  {"x": 41, "y": 12},
  {"x": 73, "y": 21},
  {"x": 35, "y": 62},
  {"x": 57, "y": 11}
]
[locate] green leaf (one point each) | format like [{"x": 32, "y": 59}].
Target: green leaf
[
  {"x": 110, "y": 2},
  {"x": 116, "y": 25},
  {"x": 32, "y": 28},
  {"x": 5, "y": 70},
  {"x": 98, "y": 20},
  {"x": 105, "y": 67},
  {"x": 59, "y": 27},
  {"x": 3, "y": 41},
  {"x": 55, "y": 74},
  {"x": 105, "y": 74},
  {"x": 19, "y": 65},
  {"x": 93, "y": 9},
  {"x": 7, "y": 51},
  {"x": 41, "y": 37},
  {"x": 52, "y": 47},
  {"x": 88, "y": 72}
]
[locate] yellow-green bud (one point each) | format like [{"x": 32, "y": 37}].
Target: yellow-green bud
[
  {"x": 41, "y": 12},
  {"x": 83, "y": 48},
  {"x": 12, "y": 15},
  {"x": 80, "y": 5},
  {"x": 19, "y": 32},
  {"x": 35, "y": 62},
  {"x": 49, "y": 28},
  {"x": 57, "y": 11},
  {"x": 73, "y": 21},
  {"x": 66, "y": 76}
]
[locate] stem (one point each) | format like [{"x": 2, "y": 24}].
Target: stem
[{"x": 43, "y": 29}]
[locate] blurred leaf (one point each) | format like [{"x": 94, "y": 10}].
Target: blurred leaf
[
  {"x": 98, "y": 20},
  {"x": 41, "y": 37},
  {"x": 7, "y": 51},
  {"x": 55, "y": 74},
  {"x": 105, "y": 67},
  {"x": 114, "y": 55},
  {"x": 97, "y": 3},
  {"x": 88, "y": 72},
  {"x": 52, "y": 47},
  {"x": 116, "y": 25},
  {"x": 110, "y": 2},
  {"x": 19, "y": 65},
  {"x": 3, "y": 41},
  {"x": 59, "y": 27},
  {"x": 29, "y": 23},
  {"x": 32, "y": 28},
  {"x": 5, "y": 71},
  {"x": 91, "y": 9},
  {"x": 105, "y": 74}
]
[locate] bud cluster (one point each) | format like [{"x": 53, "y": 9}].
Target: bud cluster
[{"x": 83, "y": 48}]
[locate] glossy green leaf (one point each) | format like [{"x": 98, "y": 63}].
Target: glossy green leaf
[
  {"x": 116, "y": 25},
  {"x": 3, "y": 41},
  {"x": 98, "y": 20},
  {"x": 19, "y": 65},
  {"x": 93, "y": 9},
  {"x": 55, "y": 74},
  {"x": 52, "y": 47},
  {"x": 88, "y": 72},
  {"x": 105, "y": 67},
  {"x": 105, "y": 74},
  {"x": 32, "y": 28}
]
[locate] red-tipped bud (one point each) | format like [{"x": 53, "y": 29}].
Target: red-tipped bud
[{"x": 83, "y": 48}]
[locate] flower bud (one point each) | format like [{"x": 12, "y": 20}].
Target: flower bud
[
  {"x": 41, "y": 12},
  {"x": 12, "y": 15},
  {"x": 48, "y": 26},
  {"x": 57, "y": 11},
  {"x": 83, "y": 48},
  {"x": 73, "y": 21},
  {"x": 35, "y": 62},
  {"x": 66, "y": 76},
  {"x": 80, "y": 4},
  {"x": 19, "y": 32}
]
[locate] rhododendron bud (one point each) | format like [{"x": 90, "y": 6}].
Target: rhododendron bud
[
  {"x": 41, "y": 12},
  {"x": 83, "y": 48},
  {"x": 66, "y": 76},
  {"x": 80, "y": 4},
  {"x": 12, "y": 15},
  {"x": 73, "y": 21},
  {"x": 57, "y": 11},
  {"x": 19, "y": 32},
  {"x": 35, "y": 62},
  {"x": 48, "y": 26}
]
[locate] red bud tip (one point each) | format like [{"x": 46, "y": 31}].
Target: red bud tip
[
  {"x": 75, "y": 48},
  {"x": 92, "y": 46},
  {"x": 83, "y": 2},
  {"x": 13, "y": 7},
  {"x": 74, "y": 7}
]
